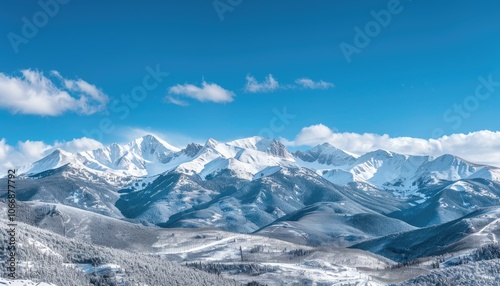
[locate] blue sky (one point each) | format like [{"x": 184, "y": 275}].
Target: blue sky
[{"x": 428, "y": 57}]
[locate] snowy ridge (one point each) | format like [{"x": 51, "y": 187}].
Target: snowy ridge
[{"x": 144, "y": 156}]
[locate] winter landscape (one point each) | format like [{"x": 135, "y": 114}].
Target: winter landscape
[
  {"x": 249, "y": 143},
  {"x": 250, "y": 211}
]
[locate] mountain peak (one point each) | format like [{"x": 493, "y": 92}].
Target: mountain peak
[
  {"x": 278, "y": 149},
  {"x": 326, "y": 154},
  {"x": 270, "y": 146},
  {"x": 152, "y": 141},
  {"x": 327, "y": 146},
  {"x": 211, "y": 143},
  {"x": 59, "y": 152},
  {"x": 149, "y": 137},
  {"x": 55, "y": 159},
  {"x": 192, "y": 149},
  {"x": 379, "y": 154},
  {"x": 249, "y": 142}
]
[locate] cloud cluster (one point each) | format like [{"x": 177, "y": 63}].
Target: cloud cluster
[
  {"x": 13, "y": 156},
  {"x": 34, "y": 93},
  {"x": 270, "y": 84},
  {"x": 479, "y": 147},
  {"x": 210, "y": 92}
]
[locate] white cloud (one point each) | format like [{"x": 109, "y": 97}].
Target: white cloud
[
  {"x": 481, "y": 147},
  {"x": 171, "y": 99},
  {"x": 4, "y": 150},
  {"x": 268, "y": 85},
  {"x": 34, "y": 93},
  {"x": 309, "y": 83},
  {"x": 85, "y": 89},
  {"x": 78, "y": 145},
  {"x": 30, "y": 151},
  {"x": 207, "y": 92}
]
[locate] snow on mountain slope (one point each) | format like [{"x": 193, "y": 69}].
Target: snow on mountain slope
[{"x": 338, "y": 176}]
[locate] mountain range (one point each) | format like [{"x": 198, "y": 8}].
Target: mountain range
[{"x": 382, "y": 202}]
